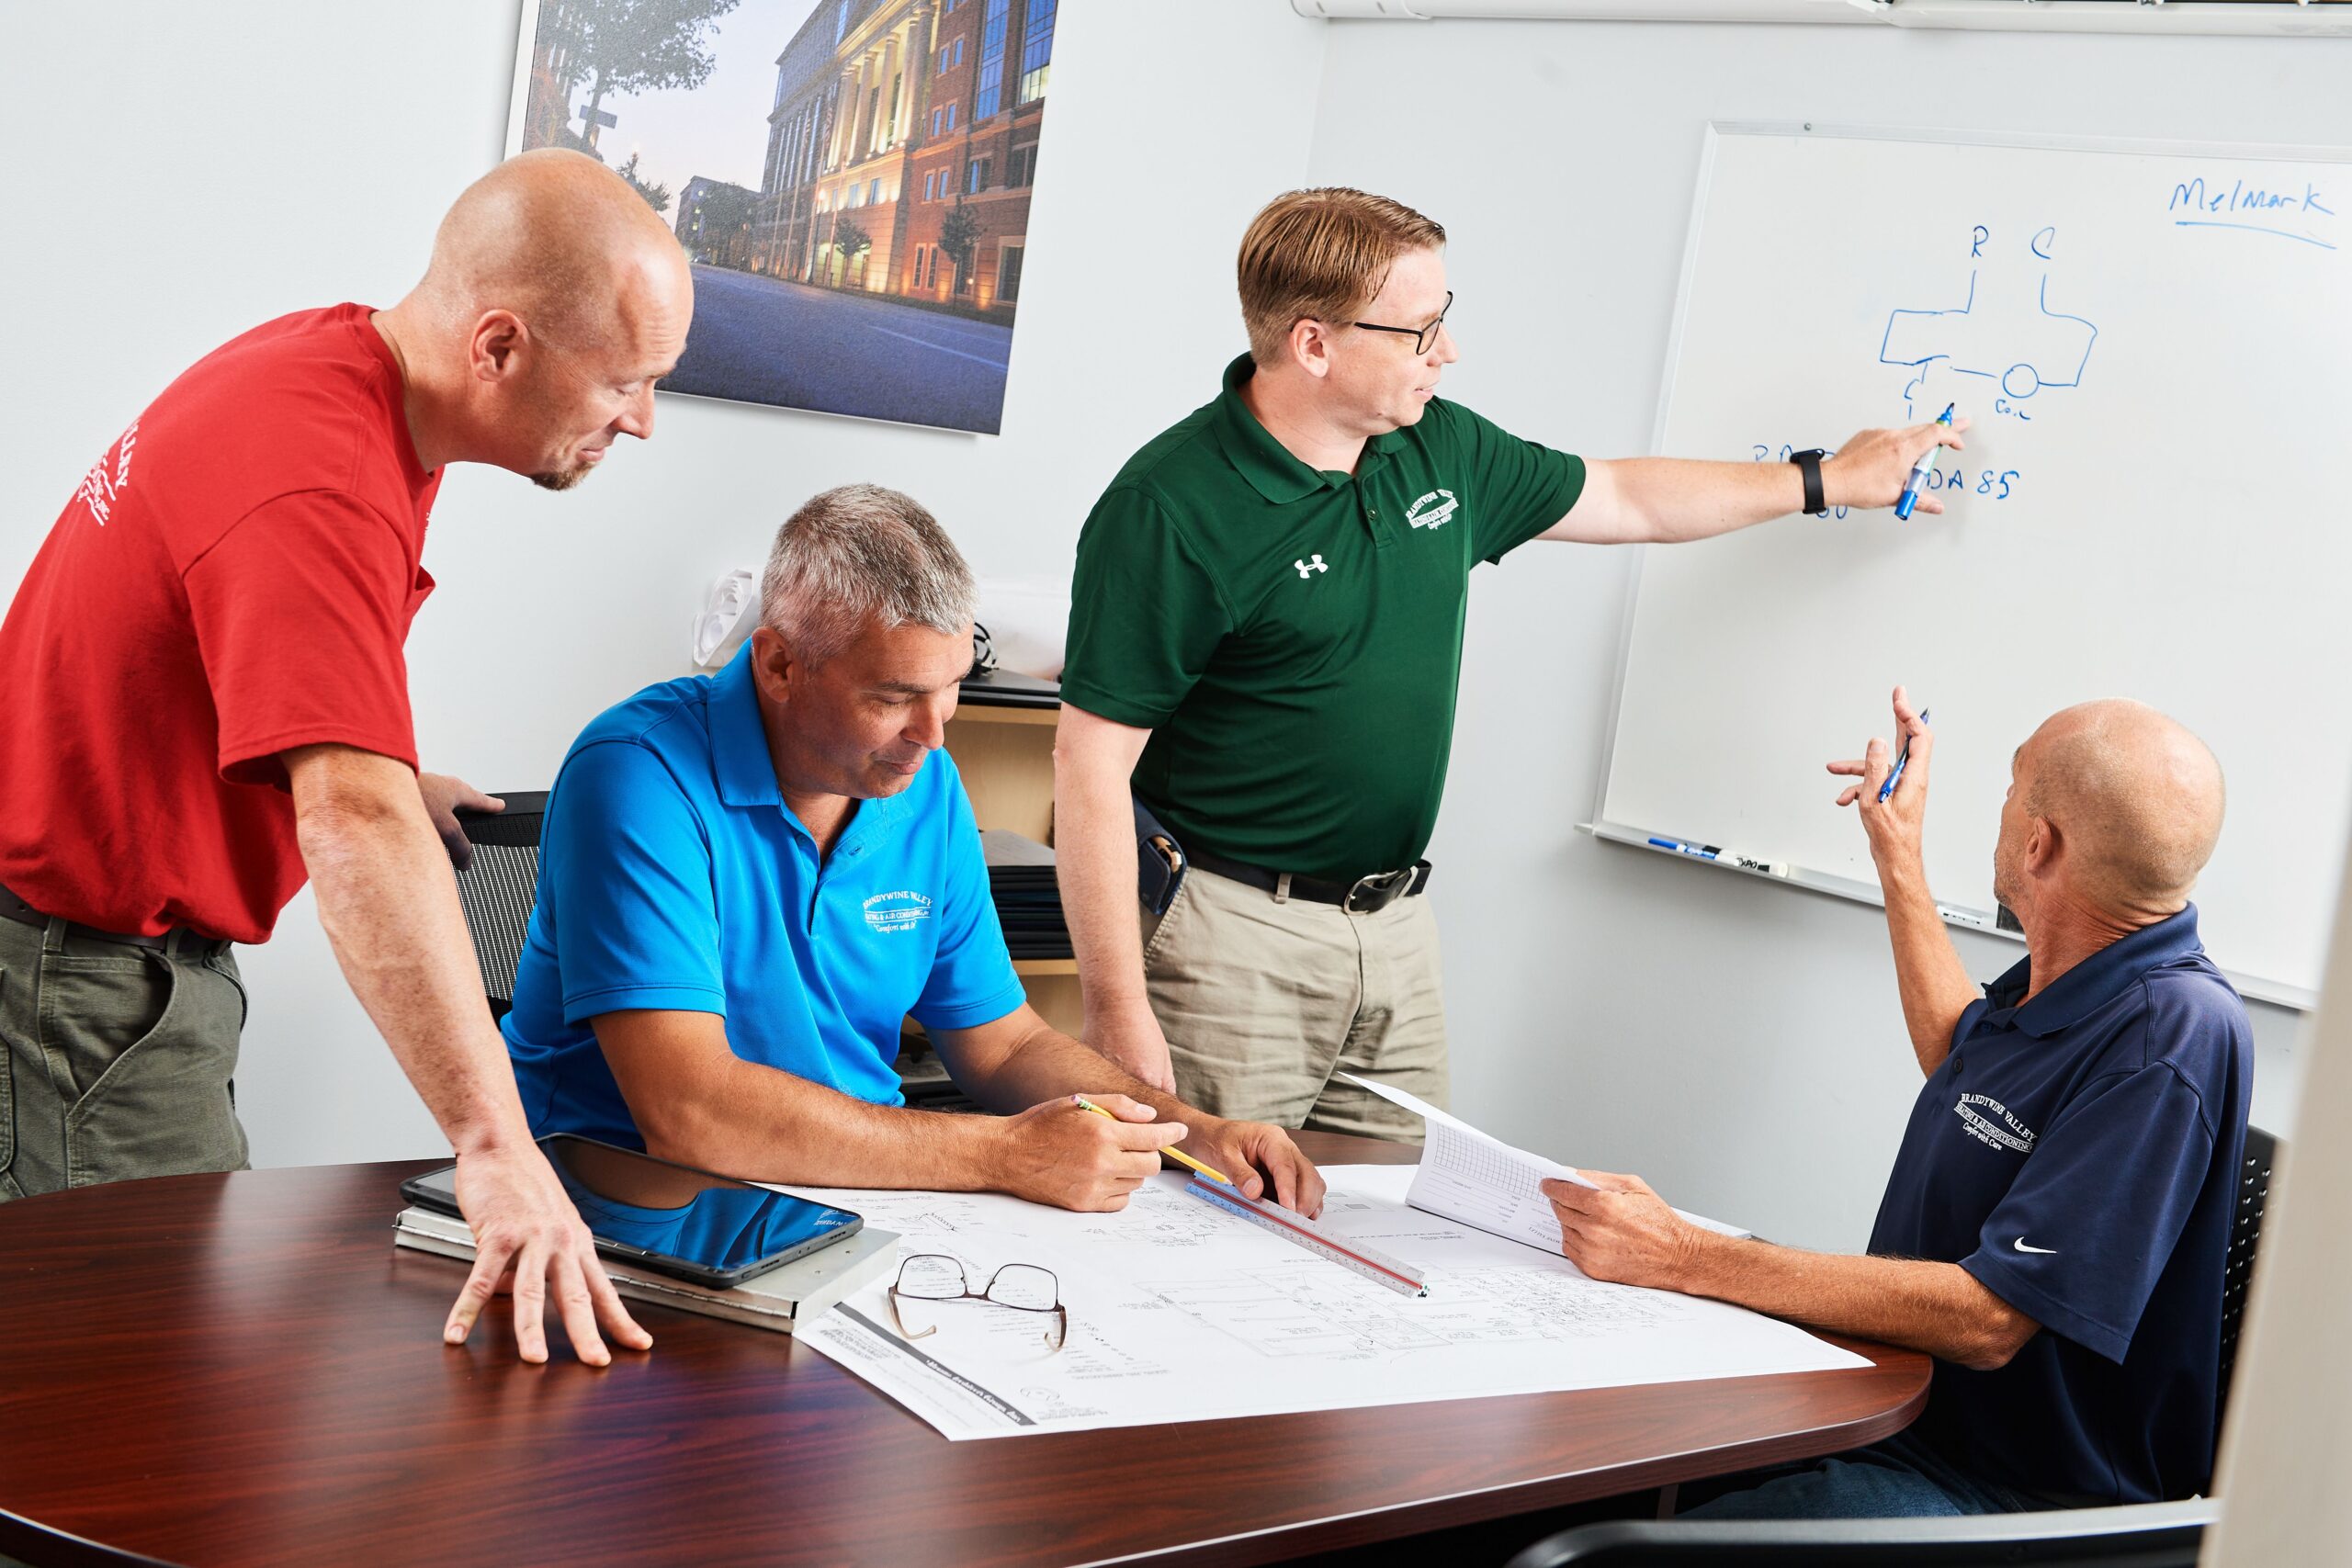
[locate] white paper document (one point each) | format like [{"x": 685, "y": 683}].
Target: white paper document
[
  {"x": 1478, "y": 1178},
  {"x": 1181, "y": 1312}
]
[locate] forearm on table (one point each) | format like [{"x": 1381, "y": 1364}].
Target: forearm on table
[
  {"x": 1940, "y": 1308},
  {"x": 760, "y": 1124},
  {"x": 388, "y": 902},
  {"x": 1933, "y": 982}
]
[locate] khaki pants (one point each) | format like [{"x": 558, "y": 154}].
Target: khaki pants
[
  {"x": 115, "y": 1060},
  {"x": 1262, "y": 1002}
]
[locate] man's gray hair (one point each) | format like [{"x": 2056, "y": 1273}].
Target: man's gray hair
[{"x": 856, "y": 554}]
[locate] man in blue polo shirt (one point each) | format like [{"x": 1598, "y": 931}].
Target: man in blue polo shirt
[
  {"x": 746, "y": 883},
  {"x": 2056, "y": 1225}
]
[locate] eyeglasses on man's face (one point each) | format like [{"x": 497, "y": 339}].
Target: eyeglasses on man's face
[
  {"x": 929, "y": 1280},
  {"x": 1424, "y": 338}
]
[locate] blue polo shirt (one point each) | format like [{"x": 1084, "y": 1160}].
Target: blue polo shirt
[
  {"x": 672, "y": 876},
  {"x": 2079, "y": 1154}
]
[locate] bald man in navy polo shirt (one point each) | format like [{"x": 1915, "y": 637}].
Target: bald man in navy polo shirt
[{"x": 2054, "y": 1228}]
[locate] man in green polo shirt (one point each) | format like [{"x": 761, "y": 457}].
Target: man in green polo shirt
[{"x": 1264, "y": 643}]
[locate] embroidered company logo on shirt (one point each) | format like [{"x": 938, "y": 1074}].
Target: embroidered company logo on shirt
[
  {"x": 897, "y": 911},
  {"x": 2006, "y": 1133},
  {"x": 1309, "y": 567},
  {"x": 1434, "y": 510}
]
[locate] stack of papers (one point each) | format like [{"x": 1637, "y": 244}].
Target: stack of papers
[{"x": 1028, "y": 901}]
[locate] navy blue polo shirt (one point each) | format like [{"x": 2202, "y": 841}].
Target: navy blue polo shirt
[
  {"x": 2079, "y": 1154},
  {"x": 672, "y": 876}
]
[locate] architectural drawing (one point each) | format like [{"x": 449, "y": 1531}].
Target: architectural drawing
[
  {"x": 1181, "y": 1312},
  {"x": 2003, "y": 329}
]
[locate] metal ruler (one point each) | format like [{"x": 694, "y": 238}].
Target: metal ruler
[{"x": 1353, "y": 1256}]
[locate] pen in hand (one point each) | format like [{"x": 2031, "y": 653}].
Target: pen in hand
[
  {"x": 1921, "y": 471},
  {"x": 1178, "y": 1155},
  {"x": 1902, "y": 757}
]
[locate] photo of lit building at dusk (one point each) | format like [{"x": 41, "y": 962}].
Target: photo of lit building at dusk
[{"x": 859, "y": 246}]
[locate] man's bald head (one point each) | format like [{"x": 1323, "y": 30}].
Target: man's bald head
[
  {"x": 554, "y": 302},
  {"x": 564, "y": 244},
  {"x": 2136, "y": 798}
]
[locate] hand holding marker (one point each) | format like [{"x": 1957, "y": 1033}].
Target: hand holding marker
[
  {"x": 1886, "y": 790},
  {"x": 1920, "y": 470}
]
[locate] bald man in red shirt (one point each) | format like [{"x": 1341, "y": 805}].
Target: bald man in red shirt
[{"x": 204, "y": 703}]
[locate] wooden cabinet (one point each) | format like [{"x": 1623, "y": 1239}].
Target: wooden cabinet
[{"x": 1005, "y": 757}]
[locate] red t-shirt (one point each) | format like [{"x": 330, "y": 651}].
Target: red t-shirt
[{"x": 235, "y": 577}]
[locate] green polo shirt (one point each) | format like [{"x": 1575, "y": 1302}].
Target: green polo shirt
[{"x": 1293, "y": 639}]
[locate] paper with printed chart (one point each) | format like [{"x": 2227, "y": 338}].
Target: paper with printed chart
[
  {"x": 1182, "y": 1312},
  {"x": 1478, "y": 1178}
]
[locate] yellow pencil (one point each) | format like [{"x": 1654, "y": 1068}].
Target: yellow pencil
[{"x": 1086, "y": 1104}]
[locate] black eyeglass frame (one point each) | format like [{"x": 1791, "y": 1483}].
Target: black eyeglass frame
[
  {"x": 1424, "y": 338},
  {"x": 1056, "y": 1336}
]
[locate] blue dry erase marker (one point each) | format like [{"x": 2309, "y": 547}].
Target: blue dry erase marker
[
  {"x": 1702, "y": 851},
  {"x": 1919, "y": 472},
  {"x": 1901, "y": 758}
]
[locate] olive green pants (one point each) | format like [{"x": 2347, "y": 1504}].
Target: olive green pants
[
  {"x": 115, "y": 1059},
  {"x": 1263, "y": 1001}
]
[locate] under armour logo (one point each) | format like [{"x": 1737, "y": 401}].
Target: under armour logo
[{"x": 1310, "y": 566}]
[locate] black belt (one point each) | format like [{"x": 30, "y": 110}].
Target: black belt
[
  {"x": 1365, "y": 896},
  {"x": 15, "y": 909}
]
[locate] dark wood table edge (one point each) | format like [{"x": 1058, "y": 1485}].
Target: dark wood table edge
[
  {"x": 42, "y": 1546},
  {"x": 1344, "y": 1532}
]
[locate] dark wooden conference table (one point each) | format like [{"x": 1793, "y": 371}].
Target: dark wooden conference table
[{"x": 240, "y": 1370}]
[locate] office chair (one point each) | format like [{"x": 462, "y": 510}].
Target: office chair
[
  {"x": 2246, "y": 1234},
  {"x": 498, "y": 891},
  {"x": 2146, "y": 1534},
  {"x": 2143, "y": 1535}
]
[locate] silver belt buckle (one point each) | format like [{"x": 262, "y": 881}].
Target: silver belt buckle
[{"x": 1378, "y": 882}]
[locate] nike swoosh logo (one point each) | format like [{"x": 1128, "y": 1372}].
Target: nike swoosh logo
[{"x": 2045, "y": 1251}]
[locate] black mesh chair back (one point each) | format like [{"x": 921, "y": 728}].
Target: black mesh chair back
[
  {"x": 2142, "y": 1535},
  {"x": 498, "y": 891},
  {"x": 2245, "y": 1234}
]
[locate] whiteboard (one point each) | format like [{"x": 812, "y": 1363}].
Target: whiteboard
[{"x": 2155, "y": 342}]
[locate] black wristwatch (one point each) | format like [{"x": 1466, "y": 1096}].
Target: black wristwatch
[{"x": 1808, "y": 464}]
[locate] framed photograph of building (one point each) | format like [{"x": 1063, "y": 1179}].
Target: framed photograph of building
[{"x": 851, "y": 179}]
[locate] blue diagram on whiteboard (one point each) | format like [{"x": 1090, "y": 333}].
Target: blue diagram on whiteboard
[{"x": 2009, "y": 335}]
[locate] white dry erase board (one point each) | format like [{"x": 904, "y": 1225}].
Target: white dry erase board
[{"x": 2155, "y": 342}]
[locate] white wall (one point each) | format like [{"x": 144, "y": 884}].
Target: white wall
[
  {"x": 204, "y": 168},
  {"x": 1737, "y": 1043}
]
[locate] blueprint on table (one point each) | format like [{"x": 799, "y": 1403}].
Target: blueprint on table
[{"x": 1178, "y": 1312}]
